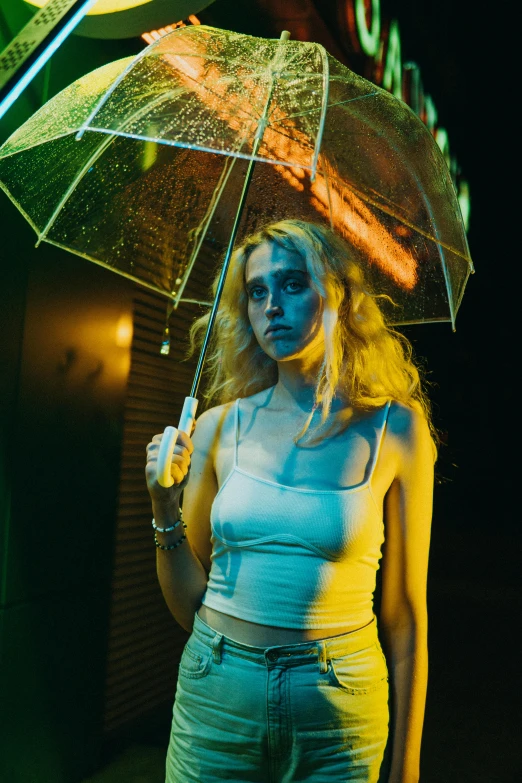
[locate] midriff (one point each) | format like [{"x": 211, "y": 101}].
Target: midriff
[{"x": 258, "y": 635}]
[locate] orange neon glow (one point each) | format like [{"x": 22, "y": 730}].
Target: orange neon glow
[
  {"x": 288, "y": 173},
  {"x": 351, "y": 216},
  {"x": 155, "y": 35},
  {"x": 284, "y": 141},
  {"x": 365, "y": 231}
]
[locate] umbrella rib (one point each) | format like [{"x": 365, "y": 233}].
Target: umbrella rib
[
  {"x": 449, "y": 287},
  {"x": 469, "y": 271},
  {"x": 218, "y": 192},
  {"x": 326, "y": 85},
  {"x": 184, "y": 145},
  {"x": 404, "y": 221},
  {"x": 79, "y": 176},
  {"x": 111, "y": 135},
  {"x": 122, "y": 272},
  {"x": 22, "y": 210},
  {"x": 109, "y": 92},
  {"x": 330, "y": 208},
  {"x": 196, "y": 301}
]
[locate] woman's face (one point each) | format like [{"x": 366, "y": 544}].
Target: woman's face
[{"x": 284, "y": 310}]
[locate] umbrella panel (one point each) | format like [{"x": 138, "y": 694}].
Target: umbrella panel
[
  {"x": 207, "y": 88},
  {"x": 278, "y": 193},
  {"x": 142, "y": 210},
  {"x": 137, "y": 208},
  {"x": 144, "y": 202}
]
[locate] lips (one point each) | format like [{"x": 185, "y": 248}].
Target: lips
[{"x": 276, "y": 328}]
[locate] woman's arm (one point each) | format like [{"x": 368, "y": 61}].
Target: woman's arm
[
  {"x": 403, "y": 615},
  {"x": 183, "y": 571}
]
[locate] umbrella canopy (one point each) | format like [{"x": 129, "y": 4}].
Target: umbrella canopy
[{"x": 139, "y": 166}]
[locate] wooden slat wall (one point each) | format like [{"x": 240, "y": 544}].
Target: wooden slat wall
[{"x": 145, "y": 642}]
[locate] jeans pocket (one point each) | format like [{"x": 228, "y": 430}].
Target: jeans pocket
[
  {"x": 196, "y": 659},
  {"x": 360, "y": 672}
]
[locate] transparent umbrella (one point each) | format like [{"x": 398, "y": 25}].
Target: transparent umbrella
[{"x": 150, "y": 162}]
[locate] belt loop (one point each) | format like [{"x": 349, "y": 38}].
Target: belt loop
[
  {"x": 321, "y": 652},
  {"x": 217, "y": 642}
]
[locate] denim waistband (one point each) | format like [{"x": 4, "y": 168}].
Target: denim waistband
[{"x": 313, "y": 650}]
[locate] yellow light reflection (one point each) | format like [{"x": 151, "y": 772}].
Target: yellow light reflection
[
  {"x": 102, "y": 6},
  {"x": 124, "y": 331}
]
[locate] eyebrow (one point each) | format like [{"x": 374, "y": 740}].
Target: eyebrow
[{"x": 277, "y": 274}]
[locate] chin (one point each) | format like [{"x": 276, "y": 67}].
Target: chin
[{"x": 282, "y": 355}]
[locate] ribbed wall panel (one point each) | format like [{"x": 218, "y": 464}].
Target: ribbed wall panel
[{"x": 145, "y": 642}]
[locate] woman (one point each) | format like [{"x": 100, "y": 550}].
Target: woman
[{"x": 320, "y": 451}]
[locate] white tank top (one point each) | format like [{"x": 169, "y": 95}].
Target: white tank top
[{"x": 295, "y": 558}]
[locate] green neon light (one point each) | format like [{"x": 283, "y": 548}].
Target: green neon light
[
  {"x": 392, "y": 76},
  {"x": 432, "y": 115},
  {"x": 369, "y": 39},
  {"x": 442, "y": 139},
  {"x": 464, "y": 202}
]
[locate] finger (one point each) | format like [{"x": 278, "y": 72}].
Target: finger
[
  {"x": 181, "y": 461},
  {"x": 178, "y": 473},
  {"x": 154, "y": 443},
  {"x": 181, "y": 451},
  {"x": 184, "y": 440}
]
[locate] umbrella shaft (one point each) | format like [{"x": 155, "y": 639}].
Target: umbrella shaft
[
  {"x": 246, "y": 184},
  {"x": 224, "y": 270}
]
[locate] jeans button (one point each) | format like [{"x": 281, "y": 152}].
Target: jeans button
[{"x": 271, "y": 655}]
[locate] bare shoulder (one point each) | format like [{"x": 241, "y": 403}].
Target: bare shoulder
[
  {"x": 410, "y": 433},
  {"x": 407, "y": 423},
  {"x": 209, "y": 426}
]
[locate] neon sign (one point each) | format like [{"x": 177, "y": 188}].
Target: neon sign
[{"x": 379, "y": 44}]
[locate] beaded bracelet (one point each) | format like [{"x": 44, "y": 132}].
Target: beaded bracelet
[
  {"x": 172, "y": 527},
  {"x": 171, "y": 546}
]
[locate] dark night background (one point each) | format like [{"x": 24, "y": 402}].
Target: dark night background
[{"x": 467, "y": 56}]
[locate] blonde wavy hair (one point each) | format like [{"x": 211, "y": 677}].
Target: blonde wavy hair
[{"x": 365, "y": 360}]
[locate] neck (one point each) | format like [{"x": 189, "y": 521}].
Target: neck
[
  {"x": 295, "y": 388},
  {"x": 294, "y": 391}
]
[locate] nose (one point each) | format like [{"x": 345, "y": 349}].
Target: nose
[{"x": 273, "y": 307}]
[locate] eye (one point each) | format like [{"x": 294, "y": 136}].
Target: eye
[
  {"x": 256, "y": 292},
  {"x": 294, "y": 285}
]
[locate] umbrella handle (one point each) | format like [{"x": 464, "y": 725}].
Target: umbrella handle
[{"x": 168, "y": 441}]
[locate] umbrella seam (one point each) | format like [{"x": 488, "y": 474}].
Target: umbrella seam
[
  {"x": 228, "y": 153},
  {"x": 322, "y": 120},
  {"x": 109, "y": 92},
  {"x": 210, "y": 213},
  {"x": 403, "y": 220},
  {"x": 92, "y": 159}
]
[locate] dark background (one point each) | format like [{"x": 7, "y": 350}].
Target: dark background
[{"x": 467, "y": 57}]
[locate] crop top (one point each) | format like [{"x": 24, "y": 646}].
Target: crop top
[{"x": 295, "y": 558}]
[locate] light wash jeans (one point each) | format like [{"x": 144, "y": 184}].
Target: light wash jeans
[{"x": 315, "y": 711}]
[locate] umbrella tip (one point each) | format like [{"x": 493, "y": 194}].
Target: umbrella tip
[{"x": 285, "y": 35}]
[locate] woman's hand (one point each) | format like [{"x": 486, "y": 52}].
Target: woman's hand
[{"x": 165, "y": 497}]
